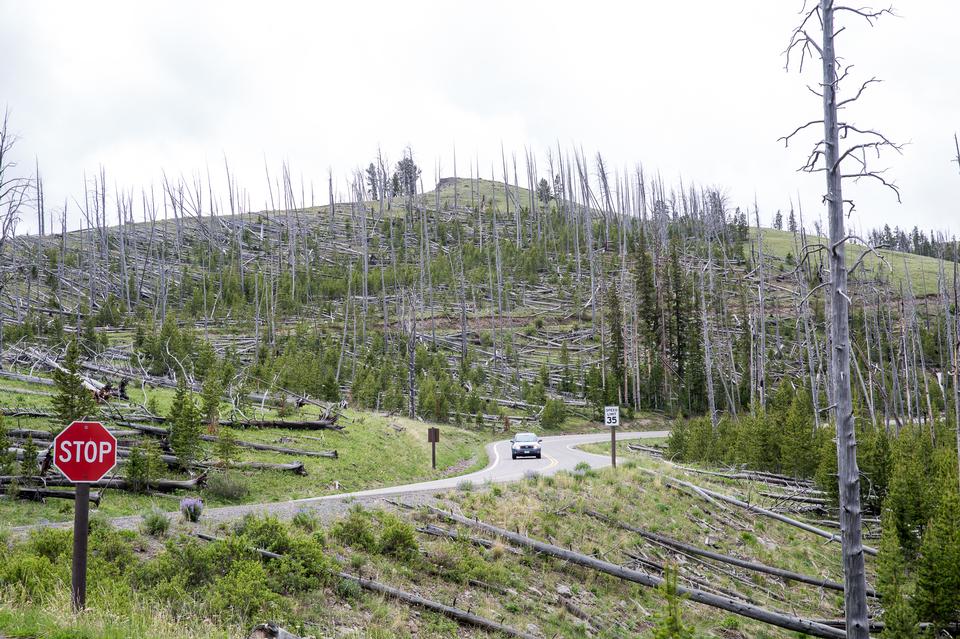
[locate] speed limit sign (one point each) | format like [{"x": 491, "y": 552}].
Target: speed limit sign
[{"x": 611, "y": 416}]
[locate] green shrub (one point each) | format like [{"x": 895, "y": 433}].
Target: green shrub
[
  {"x": 554, "y": 412},
  {"x": 266, "y": 533},
  {"x": 50, "y": 543},
  {"x": 398, "y": 538},
  {"x": 228, "y": 485},
  {"x": 306, "y": 521},
  {"x": 304, "y": 567},
  {"x": 348, "y": 589},
  {"x": 156, "y": 524},
  {"x": 111, "y": 545},
  {"x": 242, "y": 594},
  {"x": 355, "y": 530},
  {"x": 31, "y": 577}
]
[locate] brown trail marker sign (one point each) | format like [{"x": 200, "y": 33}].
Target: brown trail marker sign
[
  {"x": 433, "y": 436},
  {"x": 84, "y": 452}
]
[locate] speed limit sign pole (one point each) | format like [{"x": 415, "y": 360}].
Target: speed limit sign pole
[
  {"x": 84, "y": 452},
  {"x": 611, "y": 417}
]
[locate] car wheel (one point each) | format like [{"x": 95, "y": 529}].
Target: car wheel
[
  {"x": 514, "y": 455},
  {"x": 538, "y": 455}
]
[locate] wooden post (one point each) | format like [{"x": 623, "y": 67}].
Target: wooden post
[
  {"x": 613, "y": 446},
  {"x": 433, "y": 436},
  {"x": 81, "y": 518}
]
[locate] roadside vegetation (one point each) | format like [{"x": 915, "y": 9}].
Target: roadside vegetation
[{"x": 149, "y": 585}]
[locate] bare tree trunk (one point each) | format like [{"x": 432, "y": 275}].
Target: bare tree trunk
[
  {"x": 854, "y": 571},
  {"x": 761, "y": 375},
  {"x": 707, "y": 351}
]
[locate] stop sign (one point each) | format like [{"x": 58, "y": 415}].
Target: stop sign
[{"x": 84, "y": 452}]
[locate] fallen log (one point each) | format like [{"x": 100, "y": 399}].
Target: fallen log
[
  {"x": 734, "y": 561},
  {"x": 780, "y": 620},
  {"x": 25, "y": 412},
  {"x": 755, "y": 509},
  {"x": 803, "y": 499},
  {"x": 656, "y": 452},
  {"x": 270, "y": 631},
  {"x": 462, "y": 616},
  {"x": 25, "y": 391},
  {"x": 293, "y": 467},
  {"x": 766, "y": 478},
  {"x": 115, "y": 482},
  {"x": 39, "y": 494},
  {"x": 329, "y": 423},
  {"x": 438, "y": 531},
  {"x": 29, "y": 379},
  {"x": 163, "y": 432},
  {"x": 330, "y": 454},
  {"x": 879, "y": 626},
  {"x": 36, "y": 434}
]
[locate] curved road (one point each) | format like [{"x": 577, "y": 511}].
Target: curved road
[{"x": 559, "y": 453}]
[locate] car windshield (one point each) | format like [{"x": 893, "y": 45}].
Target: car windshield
[{"x": 525, "y": 437}]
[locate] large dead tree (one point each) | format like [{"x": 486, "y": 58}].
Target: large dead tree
[{"x": 828, "y": 157}]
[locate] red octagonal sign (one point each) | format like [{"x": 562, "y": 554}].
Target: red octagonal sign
[{"x": 84, "y": 452}]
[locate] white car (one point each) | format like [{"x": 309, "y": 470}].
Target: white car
[{"x": 525, "y": 445}]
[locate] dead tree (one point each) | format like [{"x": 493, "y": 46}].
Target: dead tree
[
  {"x": 828, "y": 157},
  {"x": 13, "y": 196}
]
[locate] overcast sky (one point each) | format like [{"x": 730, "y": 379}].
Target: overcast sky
[{"x": 693, "y": 89}]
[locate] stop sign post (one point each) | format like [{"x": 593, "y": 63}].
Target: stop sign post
[{"x": 84, "y": 452}]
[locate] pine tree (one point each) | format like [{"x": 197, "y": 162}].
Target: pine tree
[
  {"x": 669, "y": 620},
  {"x": 185, "y": 426},
  {"x": 937, "y": 598},
  {"x": 899, "y": 618},
  {"x": 227, "y": 448},
  {"x": 373, "y": 182},
  {"x": 143, "y": 466},
  {"x": 72, "y": 400},
  {"x": 210, "y": 403},
  {"x": 614, "y": 345},
  {"x": 28, "y": 465},
  {"x": 798, "y": 450},
  {"x": 8, "y": 460},
  {"x": 566, "y": 377}
]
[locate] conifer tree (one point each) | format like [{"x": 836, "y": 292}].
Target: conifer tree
[
  {"x": 227, "y": 448},
  {"x": 937, "y": 598},
  {"x": 143, "y": 466},
  {"x": 185, "y": 426},
  {"x": 7, "y": 459},
  {"x": 72, "y": 400},
  {"x": 900, "y": 621},
  {"x": 28, "y": 465},
  {"x": 798, "y": 450},
  {"x": 669, "y": 620},
  {"x": 210, "y": 403},
  {"x": 614, "y": 353}
]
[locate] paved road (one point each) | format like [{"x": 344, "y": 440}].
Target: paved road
[{"x": 559, "y": 453}]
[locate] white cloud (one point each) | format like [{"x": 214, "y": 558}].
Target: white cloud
[{"x": 693, "y": 89}]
